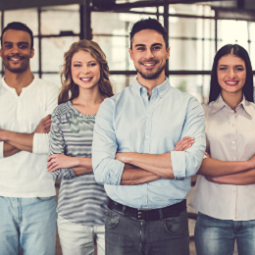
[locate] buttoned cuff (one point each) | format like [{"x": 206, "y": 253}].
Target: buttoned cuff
[
  {"x": 1, "y": 149},
  {"x": 41, "y": 143},
  {"x": 178, "y": 164}
]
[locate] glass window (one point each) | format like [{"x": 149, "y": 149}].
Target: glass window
[
  {"x": 191, "y": 9},
  {"x": 34, "y": 62},
  {"x": 119, "y": 82},
  {"x": 54, "y": 78},
  {"x": 232, "y": 31},
  {"x": 26, "y": 16},
  {"x": 116, "y": 51},
  {"x": 57, "y": 19},
  {"x": 53, "y": 50},
  {"x": 196, "y": 85}
]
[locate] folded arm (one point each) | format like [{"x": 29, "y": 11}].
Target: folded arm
[
  {"x": 15, "y": 142},
  {"x": 243, "y": 178}
]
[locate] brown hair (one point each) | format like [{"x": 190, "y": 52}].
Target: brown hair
[{"x": 69, "y": 89}]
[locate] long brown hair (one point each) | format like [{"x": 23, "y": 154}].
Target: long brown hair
[{"x": 69, "y": 89}]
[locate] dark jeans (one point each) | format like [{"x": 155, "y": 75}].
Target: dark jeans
[{"x": 128, "y": 236}]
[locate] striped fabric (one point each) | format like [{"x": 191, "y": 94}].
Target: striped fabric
[{"x": 81, "y": 200}]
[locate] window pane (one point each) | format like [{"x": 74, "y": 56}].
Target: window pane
[
  {"x": 27, "y": 16},
  {"x": 117, "y": 23},
  {"x": 53, "y": 50},
  {"x": 60, "y": 18},
  {"x": 119, "y": 82},
  {"x": 54, "y": 78},
  {"x": 196, "y": 85},
  {"x": 34, "y": 63},
  {"x": 191, "y": 9},
  {"x": 116, "y": 51},
  {"x": 231, "y": 32},
  {"x": 191, "y": 28}
]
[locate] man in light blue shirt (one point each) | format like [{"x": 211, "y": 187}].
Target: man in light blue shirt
[{"x": 148, "y": 140}]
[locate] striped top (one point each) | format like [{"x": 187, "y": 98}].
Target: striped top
[{"x": 81, "y": 199}]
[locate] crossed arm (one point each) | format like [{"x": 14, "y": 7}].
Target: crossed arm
[
  {"x": 228, "y": 172},
  {"x": 15, "y": 142},
  {"x": 143, "y": 168}
]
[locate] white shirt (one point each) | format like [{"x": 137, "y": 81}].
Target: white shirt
[
  {"x": 230, "y": 136},
  {"x": 25, "y": 174}
]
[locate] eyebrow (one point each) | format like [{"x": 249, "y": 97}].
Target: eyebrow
[
  {"x": 235, "y": 65},
  {"x": 17, "y": 43},
  {"x": 154, "y": 44}
]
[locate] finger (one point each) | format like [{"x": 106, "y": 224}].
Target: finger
[
  {"x": 47, "y": 117},
  {"x": 53, "y": 167},
  {"x": 185, "y": 144},
  {"x": 50, "y": 157}
]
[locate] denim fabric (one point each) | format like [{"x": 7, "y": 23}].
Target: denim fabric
[
  {"x": 27, "y": 225},
  {"x": 128, "y": 236},
  {"x": 77, "y": 239},
  {"x": 214, "y": 236}
]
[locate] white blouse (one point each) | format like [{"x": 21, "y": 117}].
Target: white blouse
[{"x": 230, "y": 136}]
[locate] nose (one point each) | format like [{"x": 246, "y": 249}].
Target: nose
[
  {"x": 85, "y": 69},
  {"x": 232, "y": 73},
  {"x": 148, "y": 54},
  {"x": 15, "y": 49}
]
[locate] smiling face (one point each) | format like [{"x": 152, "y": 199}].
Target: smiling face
[
  {"x": 231, "y": 74},
  {"x": 16, "y": 51},
  {"x": 149, "y": 54},
  {"x": 85, "y": 70}
]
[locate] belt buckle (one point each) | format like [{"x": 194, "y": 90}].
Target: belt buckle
[{"x": 140, "y": 212}]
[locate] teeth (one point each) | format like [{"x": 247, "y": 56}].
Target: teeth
[
  {"x": 148, "y": 64},
  {"x": 14, "y": 59},
  {"x": 231, "y": 82},
  {"x": 86, "y": 79}
]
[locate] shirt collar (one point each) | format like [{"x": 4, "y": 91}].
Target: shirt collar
[
  {"x": 159, "y": 90},
  {"x": 219, "y": 103}
]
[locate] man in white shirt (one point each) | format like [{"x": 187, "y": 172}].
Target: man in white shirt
[{"x": 27, "y": 193}]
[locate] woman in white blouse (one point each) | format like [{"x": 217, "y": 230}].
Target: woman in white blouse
[{"x": 225, "y": 191}]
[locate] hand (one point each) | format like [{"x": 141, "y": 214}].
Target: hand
[
  {"x": 207, "y": 154},
  {"x": 184, "y": 144},
  {"x": 252, "y": 162},
  {"x": 3, "y": 136},
  {"x": 57, "y": 161},
  {"x": 44, "y": 125},
  {"x": 214, "y": 179}
]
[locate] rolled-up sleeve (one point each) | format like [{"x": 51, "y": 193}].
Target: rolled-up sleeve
[
  {"x": 186, "y": 163},
  {"x": 107, "y": 169},
  {"x": 1, "y": 150}
]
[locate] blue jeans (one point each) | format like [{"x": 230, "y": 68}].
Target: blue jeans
[
  {"x": 128, "y": 236},
  {"x": 27, "y": 225},
  {"x": 214, "y": 236}
]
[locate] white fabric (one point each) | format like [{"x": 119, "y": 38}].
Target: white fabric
[
  {"x": 1, "y": 150},
  {"x": 25, "y": 174},
  {"x": 230, "y": 136},
  {"x": 76, "y": 239}
]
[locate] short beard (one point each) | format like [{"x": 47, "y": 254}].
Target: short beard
[{"x": 152, "y": 76}]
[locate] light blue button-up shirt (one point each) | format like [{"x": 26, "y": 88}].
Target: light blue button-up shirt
[{"x": 132, "y": 122}]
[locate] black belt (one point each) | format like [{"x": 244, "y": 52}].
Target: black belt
[{"x": 148, "y": 214}]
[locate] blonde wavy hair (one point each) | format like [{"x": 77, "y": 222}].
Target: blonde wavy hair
[{"x": 69, "y": 89}]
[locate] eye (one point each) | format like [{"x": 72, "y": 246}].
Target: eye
[
  {"x": 77, "y": 65},
  {"x": 239, "y": 68},
  {"x": 141, "y": 48},
  {"x": 92, "y": 64},
  {"x": 156, "y": 48},
  {"x": 8, "y": 46},
  {"x": 223, "y": 68}
]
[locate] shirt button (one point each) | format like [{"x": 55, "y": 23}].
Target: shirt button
[
  {"x": 144, "y": 195},
  {"x": 160, "y": 94},
  {"x": 234, "y": 158},
  {"x": 148, "y": 115},
  {"x": 233, "y": 125},
  {"x": 147, "y": 136},
  {"x": 233, "y": 142}
]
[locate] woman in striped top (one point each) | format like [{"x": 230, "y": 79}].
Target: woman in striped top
[{"x": 82, "y": 202}]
